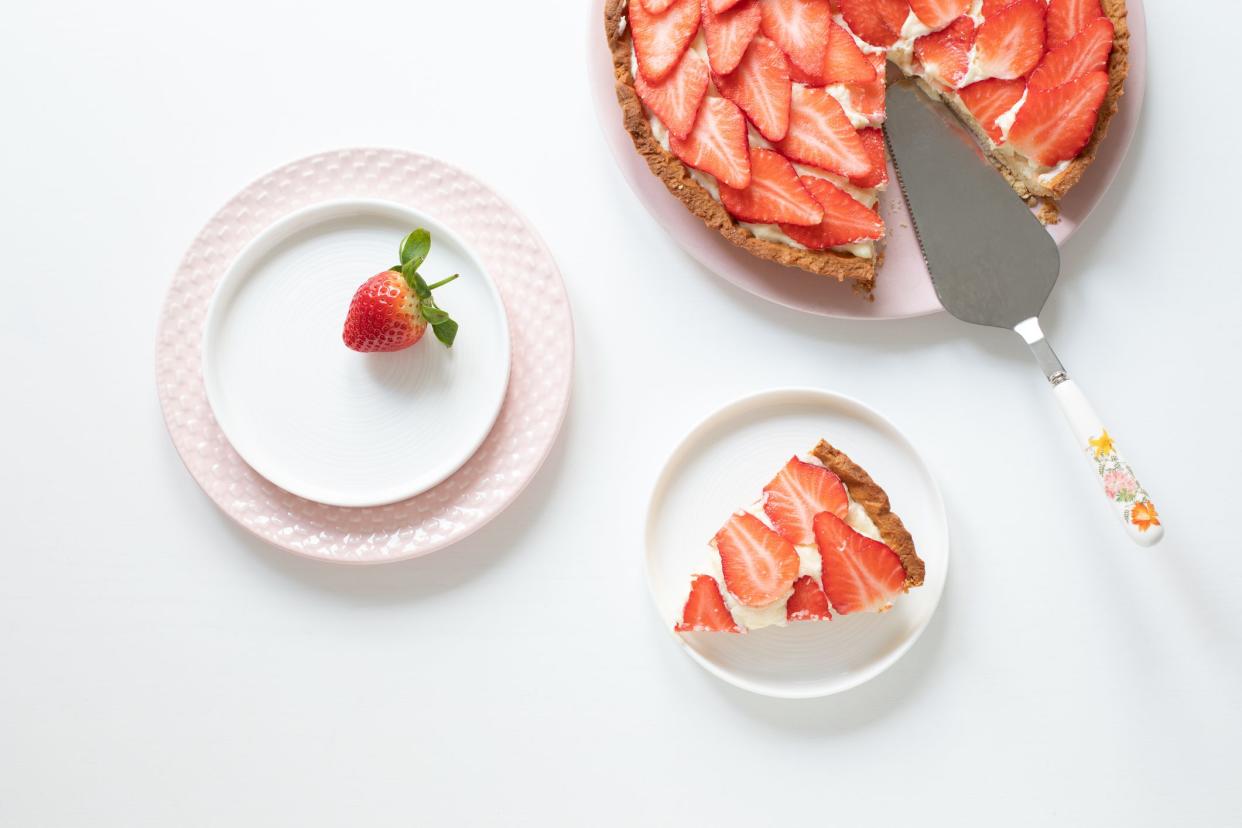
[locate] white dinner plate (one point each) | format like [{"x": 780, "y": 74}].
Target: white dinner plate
[
  {"x": 330, "y": 424},
  {"x": 723, "y": 465}
]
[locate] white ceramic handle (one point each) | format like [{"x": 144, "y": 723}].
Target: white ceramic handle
[{"x": 1129, "y": 499}]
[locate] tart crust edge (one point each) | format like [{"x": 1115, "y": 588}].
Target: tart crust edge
[{"x": 868, "y": 494}]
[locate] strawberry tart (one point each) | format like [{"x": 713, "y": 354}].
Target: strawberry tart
[
  {"x": 765, "y": 116},
  {"x": 821, "y": 539}
]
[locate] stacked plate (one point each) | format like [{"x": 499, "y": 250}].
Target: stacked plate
[{"x": 356, "y": 457}]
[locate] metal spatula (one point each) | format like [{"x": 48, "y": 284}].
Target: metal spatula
[{"x": 992, "y": 263}]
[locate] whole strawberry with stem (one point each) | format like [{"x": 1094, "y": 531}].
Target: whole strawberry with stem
[{"x": 392, "y": 309}]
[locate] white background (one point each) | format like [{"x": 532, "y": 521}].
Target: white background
[{"x": 158, "y": 666}]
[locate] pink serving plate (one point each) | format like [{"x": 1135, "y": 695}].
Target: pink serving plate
[
  {"x": 905, "y": 288},
  {"x": 530, "y": 417}
]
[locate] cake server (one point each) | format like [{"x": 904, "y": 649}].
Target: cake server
[{"x": 993, "y": 263}]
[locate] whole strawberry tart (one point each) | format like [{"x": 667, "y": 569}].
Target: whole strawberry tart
[
  {"x": 765, "y": 117},
  {"x": 820, "y": 539}
]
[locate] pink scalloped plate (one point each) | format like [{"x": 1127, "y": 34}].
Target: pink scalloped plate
[
  {"x": 904, "y": 288},
  {"x": 535, "y": 402}
]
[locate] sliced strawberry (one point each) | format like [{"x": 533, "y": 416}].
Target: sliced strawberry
[
  {"x": 718, "y": 144},
  {"x": 991, "y": 7},
  {"x": 844, "y": 62},
  {"x": 1066, "y": 18},
  {"x": 759, "y": 565},
  {"x": 722, "y": 6},
  {"x": 860, "y": 574},
  {"x": 1055, "y": 124},
  {"x": 868, "y": 98},
  {"x": 705, "y": 609},
  {"x": 820, "y": 134},
  {"x": 1010, "y": 43},
  {"x": 1087, "y": 51},
  {"x": 846, "y": 220},
  {"x": 989, "y": 99},
  {"x": 728, "y": 34},
  {"x": 660, "y": 40},
  {"x": 937, "y": 14},
  {"x": 656, "y": 6},
  {"x": 808, "y": 602},
  {"x": 675, "y": 100},
  {"x": 946, "y": 54},
  {"x": 873, "y": 140},
  {"x": 879, "y": 22},
  {"x": 800, "y": 28},
  {"x": 775, "y": 195},
  {"x": 760, "y": 86},
  {"x": 797, "y": 494}
]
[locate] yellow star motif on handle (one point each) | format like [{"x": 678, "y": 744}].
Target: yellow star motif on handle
[{"x": 1103, "y": 444}]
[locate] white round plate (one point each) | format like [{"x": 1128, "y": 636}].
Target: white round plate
[
  {"x": 330, "y": 424},
  {"x": 722, "y": 465}
]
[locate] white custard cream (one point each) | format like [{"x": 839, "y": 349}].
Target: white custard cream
[
  {"x": 774, "y": 615},
  {"x": 901, "y": 53}
]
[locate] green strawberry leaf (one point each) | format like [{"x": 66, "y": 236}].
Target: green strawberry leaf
[
  {"x": 446, "y": 331},
  {"x": 416, "y": 282},
  {"x": 431, "y": 313},
  {"x": 415, "y": 247}
]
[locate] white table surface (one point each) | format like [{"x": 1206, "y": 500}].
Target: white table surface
[{"x": 159, "y": 666}]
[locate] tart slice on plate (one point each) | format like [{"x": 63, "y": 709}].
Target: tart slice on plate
[
  {"x": 765, "y": 116},
  {"x": 820, "y": 540}
]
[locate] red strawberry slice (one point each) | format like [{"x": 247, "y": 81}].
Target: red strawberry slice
[
  {"x": 1055, "y": 124},
  {"x": 729, "y": 33},
  {"x": 937, "y": 14},
  {"x": 797, "y": 494},
  {"x": 705, "y": 609},
  {"x": 656, "y": 6},
  {"x": 676, "y": 99},
  {"x": 759, "y": 565},
  {"x": 844, "y": 62},
  {"x": 991, "y": 7},
  {"x": 760, "y": 86},
  {"x": 868, "y": 98},
  {"x": 718, "y": 144},
  {"x": 660, "y": 40},
  {"x": 946, "y": 54},
  {"x": 775, "y": 195},
  {"x": 846, "y": 220},
  {"x": 879, "y": 22},
  {"x": 1010, "y": 43},
  {"x": 820, "y": 134},
  {"x": 860, "y": 574},
  {"x": 808, "y": 602},
  {"x": 800, "y": 28},
  {"x": 722, "y": 6},
  {"x": 1087, "y": 51},
  {"x": 873, "y": 140},
  {"x": 989, "y": 99},
  {"x": 1066, "y": 18}
]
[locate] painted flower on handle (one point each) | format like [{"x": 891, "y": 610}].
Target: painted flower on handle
[{"x": 1120, "y": 484}]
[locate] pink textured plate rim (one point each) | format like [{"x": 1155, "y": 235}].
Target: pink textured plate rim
[
  {"x": 535, "y": 403},
  {"x": 905, "y": 288}
]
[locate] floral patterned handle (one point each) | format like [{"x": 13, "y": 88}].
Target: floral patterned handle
[{"x": 1129, "y": 499}]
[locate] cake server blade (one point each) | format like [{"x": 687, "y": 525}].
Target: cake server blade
[{"x": 993, "y": 263}]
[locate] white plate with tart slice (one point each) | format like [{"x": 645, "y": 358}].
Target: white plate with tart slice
[
  {"x": 695, "y": 104},
  {"x": 796, "y": 543}
]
